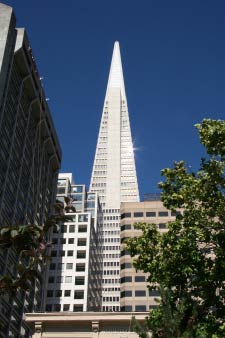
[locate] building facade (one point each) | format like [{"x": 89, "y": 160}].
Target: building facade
[
  {"x": 30, "y": 157},
  {"x": 75, "y": 271},
  {"x": 135, "y": 294},
  {"x": 114, "y": 176},
  {"x": 85, "y": 325}
]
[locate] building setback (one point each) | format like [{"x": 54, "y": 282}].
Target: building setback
[
  {"x": 75, "y": 271},
  {"x": 30, "y": 157},
  {"x": 114, "y": 176}
]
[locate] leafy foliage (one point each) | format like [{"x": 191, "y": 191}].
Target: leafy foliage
[
  {"x": 187, "y": 263},
  {"x": 30, "y": 244}
]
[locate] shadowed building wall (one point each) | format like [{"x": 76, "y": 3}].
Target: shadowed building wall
[{"x": 30, "y": 157}]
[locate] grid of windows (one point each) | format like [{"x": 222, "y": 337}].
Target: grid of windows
[
  {"x": 28, "y": 169},
  {"x": 127, "y": 293},
  {"x": 142, "y": 297},
  {"x": 71, "y": 251}
]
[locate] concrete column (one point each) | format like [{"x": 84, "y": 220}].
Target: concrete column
[
  {"x": 95, "y": 329},
  {"x": 37, "y": 330}
]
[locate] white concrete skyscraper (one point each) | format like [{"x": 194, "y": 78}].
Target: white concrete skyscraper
[{"x": 114, "y": 176}]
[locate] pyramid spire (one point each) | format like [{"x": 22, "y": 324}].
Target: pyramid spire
[
  {"x": 114, "y": 149},
  {"x": 114, "y": 176},
  {"x": 116, "y": 71}
]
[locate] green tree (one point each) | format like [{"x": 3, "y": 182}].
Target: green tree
[
  {"x": 31, "y": 245},
  {"x": 187, "y": 263}
]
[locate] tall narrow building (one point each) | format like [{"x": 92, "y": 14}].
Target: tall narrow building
[
  {"x": 114, "y": 176},
  {"x": 74, "y": 276}
]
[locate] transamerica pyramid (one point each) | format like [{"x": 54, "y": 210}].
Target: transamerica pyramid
[{"x": 114, "y": 176}]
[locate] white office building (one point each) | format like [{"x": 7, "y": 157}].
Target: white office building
[
  {"x": 75, "y": 271},
  {"x": 114, "y": 177}
]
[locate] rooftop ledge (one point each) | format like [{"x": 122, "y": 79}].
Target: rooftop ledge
[{"x": 83, "y": 316}]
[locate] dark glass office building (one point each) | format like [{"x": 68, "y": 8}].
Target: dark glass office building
[{"x": 30, "y": 157}]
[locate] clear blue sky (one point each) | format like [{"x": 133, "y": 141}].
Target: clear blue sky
[{"x": 173, "y": 55}]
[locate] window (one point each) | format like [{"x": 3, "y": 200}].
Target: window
[
  {"x": 138, "y": 214},
  {"x": 67, "y": 293},
  {"x": 125, "y": 227},
  {"x": 81, "y": 242},
  {"x": 152, "y": 307},
  {"x": 79, "y": 281},
  {"x": 63, "y": 228},
  {"x": 70, "y": 253},
  {"x": 126, "y": 308},
  {"x": 50, "y": 293},
  {"x": 82, "y": 228},
  {"x": 81, "y": 254},
  {"x": 60, "y": 200},
  {"x": 154, "y": 293},
  {"x": 80, "y": 267},
  {"x": 125, "y": 252},
  {"x": 126, "y": 279},
  {"x": 90, "y": 204},
  {"x": 66, "y": 307},
  {"x": 141, "y": 308},
  {"x": 57, "y": 307},
  {"x": 51, "y": 279},
  {"x": 139, "y": 279},
  {"x": 126, "y": 266},
  {"x": 79, "y": 294},
  {"x": 62, "y": 182},
  {"x": 72, "y": 218},
  {"x": 126, "y": 293},
  {"x": 68, "y": 279},
  {"x": 61, "y": 191},
  {"x": 175, "y": 213},
  {"x": 162, "y": 226},
  {"x": 58, "y": 293},
  {"x": 78, "y": 188},
  {"x": 77, "y": 197},
  {"x": 163, "y": 213},
  {"x": 83, "y": 218},
  {"x": 78, "y": 308},
  {"x": 52, "y": 266},
  {"x": 59, "y": 279},
  {"x": 62, "y": 240},
  {"x": 140, "y": 293},
  {"x": 71, "y": 228},
  {"x": 69, "y": 266},
  {"x": 54, "y": 240},
  {"x": 91, "y": 197},
  {"x": 61, "y": 253},
  {"x": 55, "y": 230},
  {"x": 151, "y": 214},
  {"x": 48, "y": 308},
  {"x": 60, "y": 266},
  {"x": 71, "y": 241},
  {"x": 78, "y": 206},
  {"x": 126, "y": 215}
]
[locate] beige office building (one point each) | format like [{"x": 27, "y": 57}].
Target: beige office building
[{"x": 135, "y": 295}]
